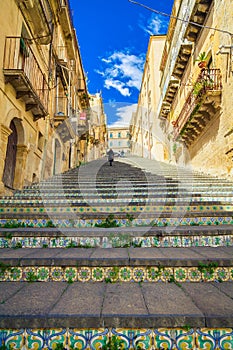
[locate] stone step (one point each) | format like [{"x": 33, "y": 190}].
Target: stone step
[
  {"x": 163, "y": 279},
  {"x": 131, "y": 257},
  {"x": 143, "y": 190},
  {"x": 124, "y": 305},
  {"x": 135, "y": 185},
  {"x": 158, "y": 265}
]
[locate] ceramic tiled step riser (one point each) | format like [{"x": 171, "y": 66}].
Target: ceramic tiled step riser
[
  {"x": 136, "y": 181},
  {"x": 99, "y": 208},
  {"x": 100, "y": 274},
  {"x": 149, "y": 338},
  {"x": 116, "y": 241},
  {"x": 90, "y": 219},
  {"x": 82, "y": 203},
  {"x": 98, "y": 193},
  {"x": 76, "y": 222},
  {"x": 142, "y": 185},
  {"x": 180, "y": 193}
]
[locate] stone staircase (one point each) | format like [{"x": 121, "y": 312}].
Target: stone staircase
[{"x": 134, "y": 256}]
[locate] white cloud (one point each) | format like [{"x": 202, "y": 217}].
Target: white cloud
[
  {"x": 99, "y": 72},
  {"x": 124, "y": 115},
  {"x": 116, "y": 84},
  {"x": 155, "y": 25},
  {"x": 123, "y": 72}
]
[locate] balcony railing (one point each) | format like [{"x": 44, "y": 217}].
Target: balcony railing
[
  {"x": 23, "y": 72},
  {"x": 209, "y": 82},
  {"x": 61, "y": 107}
]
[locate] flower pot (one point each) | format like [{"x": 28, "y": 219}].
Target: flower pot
[{"x": 202, "y": 64}]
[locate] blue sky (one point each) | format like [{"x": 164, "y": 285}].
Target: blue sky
[{"x": 113, "y": 36}]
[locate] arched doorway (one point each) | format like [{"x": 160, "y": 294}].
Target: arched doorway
[
  {"x": 10, "y": 160},
  {"x": 57, "y": 158},
  {"x": 70, "y": 156}
]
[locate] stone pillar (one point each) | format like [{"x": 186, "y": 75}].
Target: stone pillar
[
  {"x": 4, "y": 134},
  {"x": 21, "y": 158}
]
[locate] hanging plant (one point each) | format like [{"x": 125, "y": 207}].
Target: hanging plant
[{"x": 198, "y": 88}]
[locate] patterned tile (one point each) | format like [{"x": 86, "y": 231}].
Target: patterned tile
[{"x": 129, "y": 339}]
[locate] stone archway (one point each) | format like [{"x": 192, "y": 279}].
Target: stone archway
[
  {"x": 57, "y": 157},
  {"x": 10, "y": 160},
  {"x": 13, "y": 152}
]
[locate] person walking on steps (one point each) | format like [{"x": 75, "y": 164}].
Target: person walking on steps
[{"x": 110, "y": 156}]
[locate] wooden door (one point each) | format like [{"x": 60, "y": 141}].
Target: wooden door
[{"x": 10, "y": 161}]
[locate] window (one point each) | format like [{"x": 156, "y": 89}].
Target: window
[
  {"x": 119, "y": 134},
  {"x": 111, "y": 136},
  {"x": 119, "y": 143}
]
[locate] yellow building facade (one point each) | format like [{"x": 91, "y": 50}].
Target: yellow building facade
[
  {"x": 97, "y": 143},
  {"x": 43, "y": 93},
  {"x": 118, "y": 139},
  {"x": 195, "y": 106},
  {"x": 146, "y": 137}
]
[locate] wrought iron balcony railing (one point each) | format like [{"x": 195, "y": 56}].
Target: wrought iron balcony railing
[
  {"x": 209, "y": 83},
  {"x": 23, "y": 72}
]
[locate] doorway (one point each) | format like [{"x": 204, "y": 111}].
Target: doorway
[
  {"x": 10, "y": 160},
  {"x": 57, "y": 158}
]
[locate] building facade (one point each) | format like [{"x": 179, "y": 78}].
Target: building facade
[
  {"x": 43, "y": 93},
  {"x": 97, "y": 128},
  {"x": 146, "y": 137},
  {"x": 118, "y": 139},
  {"x": 196, "y": 98}
]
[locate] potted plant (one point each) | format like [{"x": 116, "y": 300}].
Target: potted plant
[{"x": 202, "y": 60}]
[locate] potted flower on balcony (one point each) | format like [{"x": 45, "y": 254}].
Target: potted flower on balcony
[{"x": 202, "y": 60}]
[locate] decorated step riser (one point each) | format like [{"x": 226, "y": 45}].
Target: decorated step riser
[
  {"x": 147, "y": 189},
  {"x": 115, "y": 274},
  {"x": 74, "y": 200},
  {"x": 128, "y": 339},
  {"x": 92, "y": 184},
  {"x": 117, "y": 241},
  {"x": 155, "y": 209},
  {"x": 28, "y": 221}
]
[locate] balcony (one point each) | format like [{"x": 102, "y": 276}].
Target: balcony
[
  {"x": 198, "y": 15},
  {"x": 171, "y": 91},
  {"x": 66, "y": 131},
  {"x": 84, "y": 99},
  {"x": 38, "y": 15},
  {"x": 61, "y": 112},
  {"x": 201, "y": 104},
  {"x": 67, "y": 27},
  {"x": 23, "y": 72}
]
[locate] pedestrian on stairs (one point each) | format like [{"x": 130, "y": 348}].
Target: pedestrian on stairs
[{"x": 110, "y": 156}]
